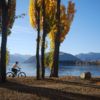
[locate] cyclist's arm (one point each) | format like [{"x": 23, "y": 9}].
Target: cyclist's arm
[{"x": 18, "y": 67}]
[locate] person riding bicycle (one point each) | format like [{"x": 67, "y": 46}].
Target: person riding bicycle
[{"x": 15, "y": 68}]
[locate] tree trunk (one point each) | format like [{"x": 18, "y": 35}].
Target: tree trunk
[
  {"x": 38, "y": 44},
  {"x": 55, "y": 66},
  {"x": 3, "y": 41},
  {"x": 43, "y": 42}
]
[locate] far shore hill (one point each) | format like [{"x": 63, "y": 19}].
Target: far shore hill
[{"x": 65, "y": 58}]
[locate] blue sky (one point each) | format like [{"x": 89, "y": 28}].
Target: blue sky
[{"x": 83, "y": 36}]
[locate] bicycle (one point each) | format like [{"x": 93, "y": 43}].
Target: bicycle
[{"x": 19, "y": 73}]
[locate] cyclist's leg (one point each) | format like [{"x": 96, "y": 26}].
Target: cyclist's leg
[{"x": 14, "y": 72}]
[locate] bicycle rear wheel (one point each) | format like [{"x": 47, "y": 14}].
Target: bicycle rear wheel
[
  {"x": 9, "y": 74},
  {"x": 22, "y": 74}
]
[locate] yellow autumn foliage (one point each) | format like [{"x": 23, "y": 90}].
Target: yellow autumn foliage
[
  {"x": 66, "y": 17},
  {"x": 66, "y": 20},
  {"x": 50, "y": 10},
  {"x": 32, "y": 13}
]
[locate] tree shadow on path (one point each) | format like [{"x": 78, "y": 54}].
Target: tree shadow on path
[{"x": 52, "y": 94}]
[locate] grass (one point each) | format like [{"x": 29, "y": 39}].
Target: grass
[{"x": 63, "y": 88}]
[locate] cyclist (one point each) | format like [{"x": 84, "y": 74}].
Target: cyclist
[{"x": 15, "y": 68}]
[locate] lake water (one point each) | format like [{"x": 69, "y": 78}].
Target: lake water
[{"x": 30, "y": 70}]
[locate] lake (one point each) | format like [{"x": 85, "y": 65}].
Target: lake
[{"x": 30, "y": 70}]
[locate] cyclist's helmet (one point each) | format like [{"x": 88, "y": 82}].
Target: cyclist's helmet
[{"x": 16, "y": 62}]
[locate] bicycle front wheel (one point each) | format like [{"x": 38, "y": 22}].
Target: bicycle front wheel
[
  {"x": 22, "y": 74},
  {"x": 9, "y": 74}
]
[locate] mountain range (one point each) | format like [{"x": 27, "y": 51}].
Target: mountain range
[
  {"x": 18, "y": 57},
  {"x": 89, "y": 56},
  {"x": 63, "y": 57}
]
